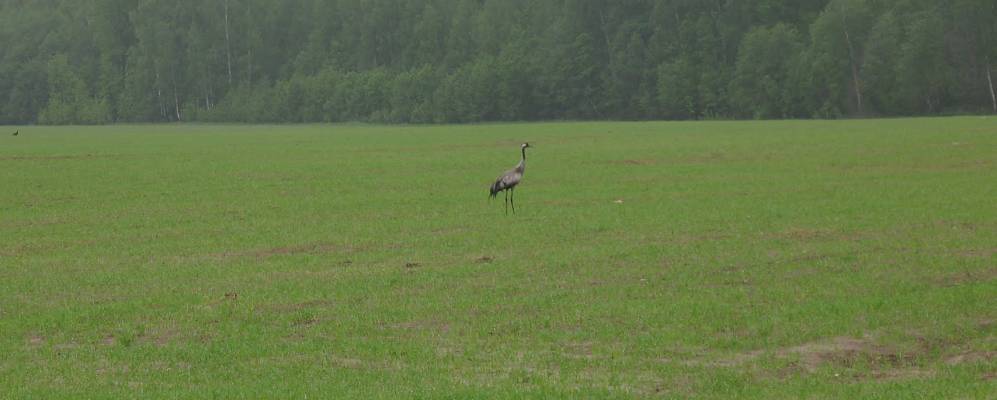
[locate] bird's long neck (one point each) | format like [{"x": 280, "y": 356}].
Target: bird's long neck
[{"x": 522, "y": 163}]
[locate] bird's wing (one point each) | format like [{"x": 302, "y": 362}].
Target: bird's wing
[
  {"x": 504, "y": 181},
  {"x": 510, "y": 178}
]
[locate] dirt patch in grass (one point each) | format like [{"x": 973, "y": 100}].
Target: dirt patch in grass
[
  {"x": 955, "y": 225},
  {"x": 806, "y": 235},
  {"x": 35, "y": 340},
  {"x": 311, "y": 248},
  {"x": 895, "y": 374},
  {"x": 986, "y": 324},
  {"x": 304, "y": 319},
  {"x": 427, "y": 325},
  {"x": 579, "y": 350},
  {"x": 971, "y": 357},
  {"x": 966, "y": 277},
  {"x": 813, "y": 235},
  {"x": 294, "y": 307},
  {"x": 67, "y": 346},
  {"x": 734, "y": 360},
  {"x": 978, "y": 253},
  {"x": 705, "y": 158},
  {"x": 849, "y": 352},
  {"x": 45, "y": 247},
  {"x": 346, "y": 362},
  {"x": 60, "y": 157},
  {"x": 861, "y": 358},
  {"x": 160, "y": 337},
  {"x": 34, "y": 223}
]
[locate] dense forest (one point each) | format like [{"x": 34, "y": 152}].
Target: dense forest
[{"x": 101, "y": 61}]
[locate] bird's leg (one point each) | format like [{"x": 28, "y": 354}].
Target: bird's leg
[
  {"x": 506, "y": 202},
  {"x": 512, "y": 199}
]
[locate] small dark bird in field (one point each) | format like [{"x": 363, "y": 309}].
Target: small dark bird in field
[
  {"x": 16, "y": 132},
  {"x": 508, "y": 181}
]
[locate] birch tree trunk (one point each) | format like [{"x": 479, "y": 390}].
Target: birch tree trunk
[
  {"x": 228, "y": 46},
  {"x": 176, "y": 101},
  {"x": 854, "y": 65},
  {"x": 249, "y": 46},
  {"x": 159, "y": 97},
  {"x": 990, "y": 85}
]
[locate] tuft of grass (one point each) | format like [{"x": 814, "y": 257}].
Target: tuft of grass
[{"x": 813, "y": 259}]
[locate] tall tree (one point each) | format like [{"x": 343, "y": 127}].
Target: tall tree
[{"x": 762, "y": 80}]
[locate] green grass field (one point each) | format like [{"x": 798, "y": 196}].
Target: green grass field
[{"x": 818, "y": 259}]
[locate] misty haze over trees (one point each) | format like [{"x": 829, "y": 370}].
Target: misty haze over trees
[{"x": 99, "y": 61}]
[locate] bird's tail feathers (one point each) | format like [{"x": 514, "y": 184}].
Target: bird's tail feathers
[{"x": 493, "y": 191}]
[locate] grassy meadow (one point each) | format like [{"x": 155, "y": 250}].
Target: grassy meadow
[{"x": 796, "y": 259}]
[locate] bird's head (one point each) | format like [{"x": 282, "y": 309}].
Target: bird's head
[{"x": 525, "y": 145}]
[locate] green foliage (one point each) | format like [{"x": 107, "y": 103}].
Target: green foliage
[
  {"x": 880, "y": 65},
  {"x": 678, "y": 89},
  {"x": 762, "y": 85},
  {"x": 492, "y": 60},
  {"x": 922, "y": 67},
  {"x": 69, "y": 101}
]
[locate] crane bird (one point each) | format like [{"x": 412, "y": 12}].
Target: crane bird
[{"x": 507, "y": 182}]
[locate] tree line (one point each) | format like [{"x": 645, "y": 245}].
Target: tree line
[{"x": 422, "y": 61}]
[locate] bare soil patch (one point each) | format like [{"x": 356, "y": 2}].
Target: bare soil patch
[
  {"x": 884, "y": 362},
  {"x": 734, "y": 360},
  {"x": 849, "y": 352},
  {"x": 304, "y": 320},
  {"x": 813, "y": 235},
  {"x": 346, "y": 362},
  {"x": 971, "y": 357},
  {"x": 160, "y": 337},
  {"x": 35, "y": 340},
  {"x": 311, "y": 248},
  {"x": 294, "y": 307},
  {"x": 634, "y": 162},
  {"x": 425, "y": 325},
  {"x": 579, "y": 350},
  {"x": 966, "y": 277},
  {"x": 979, "y": 253},
  {"x": 58, "y": 158}
]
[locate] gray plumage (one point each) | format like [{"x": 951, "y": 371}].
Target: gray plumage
[{"x": 507, "y": 182}]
